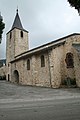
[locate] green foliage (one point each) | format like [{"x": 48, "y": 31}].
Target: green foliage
[
  {"x": 2, "y": 26},
  {"x": 3, "y": 77},
  {"x": 76, "y": 4},
  {"x": 69, "y": 82}
]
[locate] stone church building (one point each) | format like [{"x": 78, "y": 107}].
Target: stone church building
[{"x": 49, "y": 65}]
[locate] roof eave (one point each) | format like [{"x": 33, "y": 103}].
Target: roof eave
[{"x": 19, "y": 29}]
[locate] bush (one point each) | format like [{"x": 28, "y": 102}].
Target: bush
[
  {"x": 69, "y": 81},
  {"x": 3, "y": 77}
]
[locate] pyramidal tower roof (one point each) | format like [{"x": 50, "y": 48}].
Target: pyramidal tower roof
[{"x": 17, "y": 22}]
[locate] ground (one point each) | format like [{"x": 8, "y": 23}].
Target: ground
[{"x": 36, "y": 103}]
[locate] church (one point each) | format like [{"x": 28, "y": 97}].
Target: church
[{"x": 54, "y": 64}]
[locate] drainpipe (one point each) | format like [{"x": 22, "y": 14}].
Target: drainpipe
[{"x": 49, "y": 65}]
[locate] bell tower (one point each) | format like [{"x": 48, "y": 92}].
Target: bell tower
[{"x": 16, "y": 40}]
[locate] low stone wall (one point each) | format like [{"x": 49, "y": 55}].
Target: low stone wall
[{"x": 3, "y": 71}]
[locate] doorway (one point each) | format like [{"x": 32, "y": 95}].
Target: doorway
[{"x": 16, "y": 76}]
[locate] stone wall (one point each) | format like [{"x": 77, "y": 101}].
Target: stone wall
[
  {"x": 15, "y": 45},
  {"x": 37, "y": 75},
  {"x": 55, "y": 70},
  {"x": 21, "y": 43},
  {"x": 48, "y": 76},
  {"x": 3, "y": 71}
]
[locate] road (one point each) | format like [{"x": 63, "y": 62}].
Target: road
[
  {"x": 60, "y": 104},
  {"x": 61, "y": 109}
]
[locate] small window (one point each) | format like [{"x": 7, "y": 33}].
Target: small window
[
  {"x": 10, "y": 35},
  {"x": 69, "y": 60},
  {"x": 28, "y": 64},
  {"x": 21, "y": 34},
  {"x": 42, "y": 61}
]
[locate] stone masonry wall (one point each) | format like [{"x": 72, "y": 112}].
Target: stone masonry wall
[
  {"x": 15, "y": 45},
  {"x": 55, "y": 70},
  {"x": 21, "y": 43},
  {"x": 48, "y": 76},
  {"x": 77, "y": 61},
  {"x": 37, "y": 75},
  {"x": 3, "y": 71},
  {"x": 57, "y": 66}
]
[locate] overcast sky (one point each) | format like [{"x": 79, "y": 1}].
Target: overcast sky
[{"x": 46, "y": 20}]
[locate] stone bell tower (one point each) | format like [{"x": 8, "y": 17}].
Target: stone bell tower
[{"x": 17, "y": 41}]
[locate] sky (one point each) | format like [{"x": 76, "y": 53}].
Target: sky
[{"x": 46, "y": 20}]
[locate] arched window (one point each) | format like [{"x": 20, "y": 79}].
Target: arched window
[
  {"x": 42, "y": 61},
  {"x": 21, "y": 34},
  {"x": 28, "y": 64},
  {"x": 69, "y": 60}
]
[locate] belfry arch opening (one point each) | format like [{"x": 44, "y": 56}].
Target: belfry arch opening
[{"x": 16, "y": 76}]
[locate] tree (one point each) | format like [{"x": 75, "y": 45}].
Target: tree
[
  {"x": 75, "y": 4},
  {"x": 2, "y": 26}
]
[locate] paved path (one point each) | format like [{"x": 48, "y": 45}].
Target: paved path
[
  {"x": 36, "y": 103},
  {"x": 59, "y": 109},
  {"x": 9, "y": 91}
]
